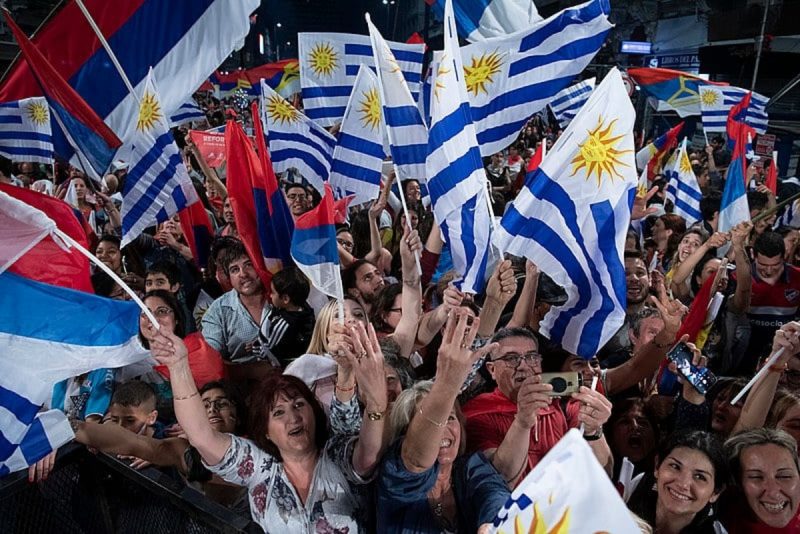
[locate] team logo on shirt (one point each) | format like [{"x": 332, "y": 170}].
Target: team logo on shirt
[{"x": 791, "y": 294}]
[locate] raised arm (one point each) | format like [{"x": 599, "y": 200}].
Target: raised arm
[
  {"x": 523, "y": 309},
  {"x": 421, "y": 444},
  {"x": 744, "y": 280},
  {"x": 684, "y": 270},
  {"x": 411, "y": 298},
  {"x": 433, "y": 321},
  {"x": 499, "y": 291},
  {"x": 209, "y": 173},
  {"x": 375, "y": 243},
  {"x": 169, "y": 350}
]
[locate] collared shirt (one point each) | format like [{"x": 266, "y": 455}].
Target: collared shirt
[
  {"x": 772, "y": 306},
  {"x": 230, "y": 330}
]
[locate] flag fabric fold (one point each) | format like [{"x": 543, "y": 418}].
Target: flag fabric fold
[
  {"x": 157, "y": 185},
  {"x": 407, "y": 132},
  {"x": 674, "y": 89},
  {"x": 85, "y": 131},
  {"x": 734, "y": 207},
  {"x": 566, "y": 103},
  {"x": 358, "y": 155},
  {"x": 197, "y": 229},
  {"x": 295, "y": 141},
  {"x": 273, "y": 217},
  {"x": 651, "y": 157},
  {"x": 314, "y": 247},
  {"x": 456, "y": 178},
  {"x": 329, "y": 65},
  {"x": 484, "y": 19},
  {"x": 25, "y": 133},
  {"x": 572, "y": 217},
  {"x": 683, "y": 189},
  {"x": 509, "y": 79},
  {"x": 188, "y": 112}
]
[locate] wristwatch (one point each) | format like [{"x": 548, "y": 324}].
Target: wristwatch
[
  {"x": 376, "y": 416},
  {"x": 594, "y": 437}
]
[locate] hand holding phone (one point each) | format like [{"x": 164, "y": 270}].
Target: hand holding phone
[{"x": 698, "y": 376}]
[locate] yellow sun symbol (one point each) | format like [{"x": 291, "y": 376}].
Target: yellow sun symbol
[
  {"x": 685, "y": 165},
  {"x": 37, "y": 113},
  {"x": 538, "y": 525},
  {"x": 480, "y": 73},
  {"x": 709, "y": 98},
  {"x": 323, "y": 59},
  {"x": 394, "y": 67},
  {"x": 370, "y": 108},
  {"x": 441, "y": 72},
  {"x": 598, "y": 154},
  {"x": 149, "y": 112},
  {"x": 279, "y": 110}
]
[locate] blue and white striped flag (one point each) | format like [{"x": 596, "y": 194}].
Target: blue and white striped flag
[
  {"x": 25, "y": 130},
  {"x": 358, "y": 156},
  {"x": 572, "y": 217},
  {"x": 716, "y": 102},
  {"x": 478, "y": 20},
  {"x": 508, "y": 80},
  {"x": 456, "y": 179},
  {"x": 568, "y": 102},
  {"x": 329, "y": 64},
  {"x": 682, "y": 187},
  {"x": 158, "y": 185},
  {"x": 188, "y": 112},
  {"x": 408, "y": 135},
  {"x": 295, "y": 141}
]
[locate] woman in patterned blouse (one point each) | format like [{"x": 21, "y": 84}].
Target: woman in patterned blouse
[{"x": 299, "y": 478}]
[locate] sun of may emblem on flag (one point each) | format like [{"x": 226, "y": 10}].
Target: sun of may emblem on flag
[
  {"x": 709, "y": 98},
  {"x": 149, "y": 112},
  {"x": 538, "y": 525},
  {"x": 323, "y": 59},
  {"x": 685, "y": 164},
  {"x": 480, "y": 72},
  {"x": 37, "y": 113},
  {"x": 370, "y": 108},
  {"x": 394, "y": 67},
  {"x": 598, "y": 154},
  {"x": 441, "y": 71},
  {"x": 279, "y": 110}
]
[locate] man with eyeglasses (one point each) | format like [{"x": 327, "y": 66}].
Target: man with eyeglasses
[
  {"x": 519, "y": 422},
  {"x": 298, "y": 199}
]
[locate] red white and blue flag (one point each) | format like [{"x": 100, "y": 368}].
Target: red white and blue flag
[
  {"x": 314, "y": 247},
  {"x": 734, "y": 208}
]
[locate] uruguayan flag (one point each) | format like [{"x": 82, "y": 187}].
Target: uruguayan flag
[
  {"x": 571, "y": 218},
  {"x": 566, "y": 103},
  {"x": 510, "y": 79},
  {"x": 456, "y": 179},
  {"x": 716, "y": 102},
  {"x": 682, "y": 187},
  {"x": 358, "y": 156},
  {"x": 478, "y": 20},
  {"x": 295, "y": 141},
  {"x": 157, "y": 186},
  {"x": 408, "y": 135},
  {"x": 25, "y": 130},
  {"x": 329, "y": 64},
  {"x": 188, "y": 112}
]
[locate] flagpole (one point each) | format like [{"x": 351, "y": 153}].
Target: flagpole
[
  {"x": 107, "y": 48},
  {"x": 340, "y": 297},
  {"x": 405, "y": 212},
  {"x": 71, "y": 242}
]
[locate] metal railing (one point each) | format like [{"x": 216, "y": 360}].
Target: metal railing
[{"x": 88, "y": 493}]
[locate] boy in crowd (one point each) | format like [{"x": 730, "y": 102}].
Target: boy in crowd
[
  {"x": 292, "y": 319},
  {"x": 165, "y": 275},
  {"x": 133, "y": 407}
]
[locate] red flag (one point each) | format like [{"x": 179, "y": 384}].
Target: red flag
[
  {"x": 243, "y": 168},
  {"x": 771, "y": 180},
  {"x": 694, "y": 320},
  {"x": 533, "y": 164},
  {"x": 47, "y": 262},
  {"x": 198, "y": 231},
  {"x": 737, "y": 127},
  {"x": 340, "y": 209}
]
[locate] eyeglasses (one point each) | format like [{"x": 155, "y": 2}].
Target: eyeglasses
[
  {"x": 296, "y": 196},
  {"x": 161, "y": 311},
  {"x": 345, "y": 244},
  {"x": 395, "y": 310},
  {"x": 512, "y": 359},
  {"x": 218, "y": 404}
]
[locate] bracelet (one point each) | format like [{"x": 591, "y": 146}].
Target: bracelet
[
  {"x": 196, "y": 393},
  {"x": 595, "y": 437},
  {"x": 337, "y": 386},
  {"x": 431, "y": 421}
]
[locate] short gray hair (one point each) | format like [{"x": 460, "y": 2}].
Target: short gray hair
[{"x": 736, "y": 445}]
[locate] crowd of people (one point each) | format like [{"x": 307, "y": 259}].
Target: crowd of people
[{"x": 413, "y": 407}]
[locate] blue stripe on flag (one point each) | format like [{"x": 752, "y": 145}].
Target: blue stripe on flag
[
  {"x": 366, "y": 50},
  {"x": 681, "y": 205},
  {"x": 448, "y": 178},
  {"x": 25, "y": 136},
  {"x": 26, "y": 151},
  {"x": 685, "y": 188},
  {"x": 402, "y": 116},
  {"x": 519, "y": 96},
  {"x": 409, "y": 154},
  {"x": 320, "y": 113},
  {"x": 23, "y": 409},
  {"x": 300, "y": 139},
  {"x": 567, "y": 18},
  {"x": 10, "y": 119},
  {"x": 36, "y": 444},
  {"x": 324, "y": 138},
  {"x": 356, "y": 172},
  {"x": 328, "y": 91},
  {"x": 318, "y": 246},
  {"x": 153, "y": 189},
  {"x": 10, "y": 105},
  {"x": 315, "y": 164},
  {"x": 362, "y": 146},
  {"x": 581, "y": 47},
  {"x": 103, "y": 322},
  {"x": 604, "y": 221}
]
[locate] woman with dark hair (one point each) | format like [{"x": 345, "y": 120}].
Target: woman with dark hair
[
  {"x": 298, "y": 478},
  {"x": 667, "y": 232},
  {"x": 633, "y": 433},
  {"x": 124, "y": 263},
  {"x": 691, "y": 472}
]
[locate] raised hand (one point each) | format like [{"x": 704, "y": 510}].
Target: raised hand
[
  {"x": 671, "y": 310},
  {"x": 455, "y": 358},
  {"x": 341, "y": 345},
  {"x": 640, "y": 209},
  {"x": 502, "y": 285},
  {"x": 594, "y": 411},
  {"x": 718, "y": 239},
  {"x": 168, "y": 349},
  {"x": 367, "y": 363},
  {"x": 410, "y": 245},
  {"x": 532, "y": 397}
]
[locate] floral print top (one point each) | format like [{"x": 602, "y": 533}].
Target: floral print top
[{"x": 332, "y": 507}]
